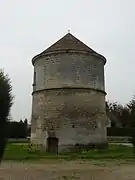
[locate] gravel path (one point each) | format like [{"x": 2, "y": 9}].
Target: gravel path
[{"x": 73, "y": 170}]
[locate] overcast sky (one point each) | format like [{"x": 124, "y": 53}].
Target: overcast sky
[{"x": 28, "y": 27}]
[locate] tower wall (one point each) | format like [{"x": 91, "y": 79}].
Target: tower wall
[
  {"x": 74, "y": 116},
  {"x": 69, "y": 99},
  {"x": 69, "y": 70}
]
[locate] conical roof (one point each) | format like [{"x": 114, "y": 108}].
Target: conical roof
[{"x": 68, "y": 42}]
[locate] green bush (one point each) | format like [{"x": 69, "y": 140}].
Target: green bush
[
  {"x": 120, "y": 131},
  {"x": 5, "y": 105}
]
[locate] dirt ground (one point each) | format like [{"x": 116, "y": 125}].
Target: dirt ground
[{"x": 64, "y": 170}]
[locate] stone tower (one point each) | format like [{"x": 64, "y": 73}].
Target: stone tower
[{"x": 68, "y": 106}]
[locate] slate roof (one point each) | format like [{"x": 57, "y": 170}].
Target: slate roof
[{"x": 68, "y": 42}]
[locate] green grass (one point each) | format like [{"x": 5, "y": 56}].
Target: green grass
[{"x": 20, "y": 151}]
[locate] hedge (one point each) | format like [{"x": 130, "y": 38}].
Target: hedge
[{"x": 120, "y": 131}]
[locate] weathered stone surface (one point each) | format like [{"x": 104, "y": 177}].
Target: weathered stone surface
[
  {"x": 69, "y": 99},
  {"x": 69, "y": 70},
  {"x": 72, "y": 115}
]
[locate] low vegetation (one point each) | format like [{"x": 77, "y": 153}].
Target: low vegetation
[{"x": 23, "y": 151}]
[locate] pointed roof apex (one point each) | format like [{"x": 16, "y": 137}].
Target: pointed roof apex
[{"x": 68, "y": 42}]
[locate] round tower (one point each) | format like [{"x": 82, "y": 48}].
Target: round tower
[{"x": 68, "y": 106}]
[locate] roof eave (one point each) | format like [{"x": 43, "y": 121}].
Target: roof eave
[{"x": 68, "y": 51}]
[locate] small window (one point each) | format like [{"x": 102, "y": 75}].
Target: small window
[{"x": 34, "y": 83}]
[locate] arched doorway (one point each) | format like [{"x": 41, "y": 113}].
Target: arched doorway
[{"x": 52, "y": 145}]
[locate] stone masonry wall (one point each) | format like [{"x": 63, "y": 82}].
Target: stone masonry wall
[
  {"x": 71, "y": 115},
  {"x": 69, "y": 70},
  {"x": 69, "y": 99}
]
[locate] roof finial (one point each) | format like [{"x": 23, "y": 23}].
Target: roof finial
[{"x": 68, "y": 30}]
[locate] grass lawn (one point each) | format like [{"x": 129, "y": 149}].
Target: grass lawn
[{"x": 21, "y": 151}]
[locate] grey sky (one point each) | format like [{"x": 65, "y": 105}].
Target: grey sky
[{"x": 27, "y": 27}]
